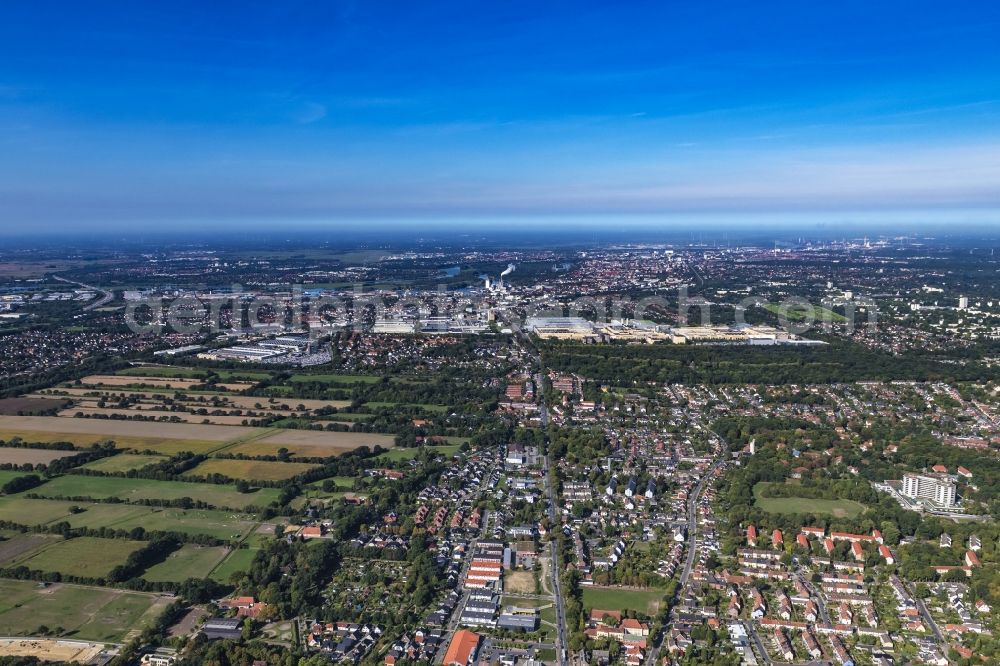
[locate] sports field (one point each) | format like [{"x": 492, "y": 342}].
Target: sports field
[
  {"x": 617, "y": 599},
  {"x": 839, "y": 508},
  {"x": 83, "y": 556},
  {"x": 189, "y": 561},
  {"x": 88, "y": 613},
  {"x": 252, "y": 470},
  {"x": 102, "y": 487}
]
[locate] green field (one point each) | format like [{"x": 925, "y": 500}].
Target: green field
[
  {"x": 24, "y": 511},
  {"x": 438, "y": 409},
  {"x": 162, "y": 371},
  {"x": 840, "y": 508},
  {"x": 335, "y": 379},
  {"x": 103, "y": 487},
  {"x": 83, "y": 556},
  {"x": 95, "y": 515},
  {"x": 85, "y": 613},
  {"x": 349, "y": 417},
  {"x": 191, "y": 373},
  {"x": 9, "y": 475},
  {"x": 252, "y": 470},
  {"x": 609, "y": 598},
  {"x": 123, "y": 462},
  {"x": 238, "y": 560},
  {"x": 188, "y": 562},
  {"x": 398, "y": 455},
  {"x": 801, "y": 311},
  {"x": 219, "y": 524}
]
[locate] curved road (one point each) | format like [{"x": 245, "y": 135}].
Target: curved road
[{"x": 106, "y": 296}]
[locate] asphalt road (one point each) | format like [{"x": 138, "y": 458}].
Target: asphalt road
[
  {"x": 928, "y": 619},
  {"x": 106, "y": 296},
  {"x": 692, "y": 547},
  {"x": 550, "y": 488}
]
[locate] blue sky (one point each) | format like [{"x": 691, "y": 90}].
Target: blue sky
[{"x": 132, "y": 115}]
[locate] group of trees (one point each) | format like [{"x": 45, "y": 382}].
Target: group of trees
[{"x": 839, "y": 361}]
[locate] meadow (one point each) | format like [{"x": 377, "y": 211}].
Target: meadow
[
  {"x": 85, "y": 613},
  {"x": 238, "y": 561},
  {"x": 103, "y": 487},
  {"x": 838, "y": 508},
  {"x": 398, "y": 455},
  {"x": 83, "y": 556},
  {"x": 9, "y": 475},
  {"x": 189, "y": 561}
]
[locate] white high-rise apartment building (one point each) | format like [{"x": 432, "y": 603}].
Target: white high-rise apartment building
[{"x": 938, "y": 489}]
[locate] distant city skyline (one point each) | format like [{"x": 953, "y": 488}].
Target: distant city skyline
[{"x": 138, "y": 118}]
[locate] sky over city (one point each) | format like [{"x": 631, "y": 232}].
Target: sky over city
[{"x": 136, "y": 115}]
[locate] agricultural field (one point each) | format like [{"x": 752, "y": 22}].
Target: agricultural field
[
  {"x": 189, "y": 561},
  {"x": 130, "y": 490},
  {"x": 136, "y": 433},
  {"x": 838, "y": 508},
  {"x": 216, "y": 408},
  {"x": 155, "y": 414},
  {"x": 87, "y": 613},
  {"x": 251, "y": 470},
  {"x": 29, "y": 405},
  {"x": 83, "y": 556},
  {"x": 15, "y": 546},
  {"x": 178, "y": 383},
  {"x": 311, "y": 443},
  {"x": 439, "y": 409},
  {"x": 120, "y": 516},
  {"x": 17, "y": 456},
  {"x": 613, "y": 598},
  {"x": 123, "y": 462}
]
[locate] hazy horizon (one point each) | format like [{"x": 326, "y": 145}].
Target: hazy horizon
[{"x": 334, "y": 116}]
